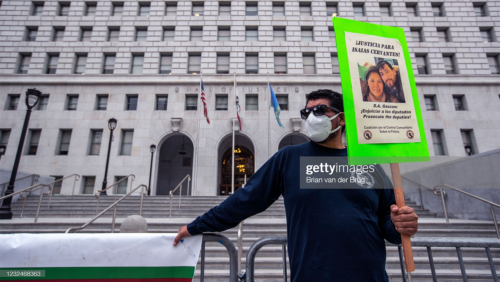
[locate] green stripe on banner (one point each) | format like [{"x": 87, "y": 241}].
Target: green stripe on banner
[{"x": 69, "y": 273}]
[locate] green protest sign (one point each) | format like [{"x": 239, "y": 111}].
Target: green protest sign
[{"x": 382, "y": 110}]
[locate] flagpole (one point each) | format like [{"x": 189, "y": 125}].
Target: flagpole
[
  {"x": 232, "y": 123},
  {"x": 269, "y": 120},
  {"x": 197, "y": 137}
]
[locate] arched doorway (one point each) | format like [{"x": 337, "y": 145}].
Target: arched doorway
[
  {"x": 175, "y": 162},
  {"x": 244, "y": 163},
  {"x": 294, "y": 138}
]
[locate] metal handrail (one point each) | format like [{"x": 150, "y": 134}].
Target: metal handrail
[
  {"x": 113, "y": 205},
  {"x": 171, "y": 193},
  {"x": 35, "y": 178},
  {"x": 416, "y": 242},
  {"x": 32, "y": 189},
  {"x": 436, "y": 192},
  {"x": 98, "y": 192},
  {"x": 77, "y": 177},
  {"x": 240, "y": 245},
  {"x": 214, "y": 237}
]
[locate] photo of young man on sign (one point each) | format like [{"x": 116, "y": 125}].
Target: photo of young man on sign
[{"x": 381, "y": 82}]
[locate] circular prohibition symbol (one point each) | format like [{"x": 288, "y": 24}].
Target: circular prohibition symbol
[
  {"x": 410, "y": 134},
  {"x": 367, "y": 134}
]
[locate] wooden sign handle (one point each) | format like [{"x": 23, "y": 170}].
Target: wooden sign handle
[{"x": 400, "y": 202}]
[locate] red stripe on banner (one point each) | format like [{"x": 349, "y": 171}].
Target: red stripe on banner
[{"x": 119, "y": 279}]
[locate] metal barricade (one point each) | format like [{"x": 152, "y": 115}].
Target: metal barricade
[
  {"x": 233, "y": 256},
  {"x": 429, "y": 243}
]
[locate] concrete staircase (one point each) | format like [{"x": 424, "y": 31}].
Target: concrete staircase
[{"x": 71, "y": 211}]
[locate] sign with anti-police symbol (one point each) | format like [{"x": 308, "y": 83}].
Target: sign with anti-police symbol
[{"x": 381, "y": 104}]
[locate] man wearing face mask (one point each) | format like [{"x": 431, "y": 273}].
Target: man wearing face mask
[{"x": 333, "y": 234}]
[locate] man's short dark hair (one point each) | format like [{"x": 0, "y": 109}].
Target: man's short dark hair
[
  {"x": 334, "y": 97},
  {"x": 381, "y": 63}
]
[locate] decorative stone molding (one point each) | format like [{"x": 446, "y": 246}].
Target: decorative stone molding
[
  {"x": 296, "y": 122},
  {"x": 236, "y": 124},
  {"x": 176, "y": 124}
]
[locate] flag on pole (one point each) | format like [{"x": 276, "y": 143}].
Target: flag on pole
[
  {"x": 276, "y": 106},
  {"x": 204, "y": 100},
  {"x": 238, "y": 109}
]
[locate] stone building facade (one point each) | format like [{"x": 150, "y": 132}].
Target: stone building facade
[{"x": 140, "y": 62}]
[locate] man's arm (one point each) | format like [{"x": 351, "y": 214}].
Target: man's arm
[{"x": 261, "y": 191}]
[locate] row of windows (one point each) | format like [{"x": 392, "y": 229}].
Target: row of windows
[
  {"x": 439, "y": 142},
  {"x": 251, "y": 34},
  {"x": 223, "y": 63},
  {"x": 252, "y": 9}
]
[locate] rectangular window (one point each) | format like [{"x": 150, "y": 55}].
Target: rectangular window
[
  {"x": 283, "y": 101},
  {"x": 194, "y": 64},
  {"x": 58, "y": 34},
  {"x": 480, "y": 9},
  {"x": 279, "y": 34},
  {"x": 31, "y": 33},
  {"x": 251, "y": 33},
  {"x": 52, "y": 64},
  {"x": 71, "y": 102},
  {"x": 63, "y": 9},
  {"x": 224, "y": 8},
  {"x": 132, "y": 101},
  {"x": 278, "y": 8},
  {"x": 24, "y": 64},
  {"x": 468, "y": 141},
  {"x": 305, "y": 8},
  {"x": 221, "y": 102},
  {"x": 437, "y": 9},
  {"x": 307, "y": 34},
  {"x": 222, "y": 63},
  {"x": 493, "y": 63},
  {"x": 224, "y": 33},
  {"x": 251, "y": 63},
  {"x": 109, "y": 64},
  {"x": 430, "y": 102},
  {"x": 309, "y": 63},
  {"x": 126, "y": 144},
  {"x": 358, "y": 9},
  {"x": 12, "y": 102},
  {"x": 449, "y": 64},
  {"x": 411, "y": 9},
  {"x": 437, "y": 142},
  {"x": 121, "y": 188},
  {"x": 4, "y": 136},
  {"x": 191, "y": 102},
  {"x": 144, "y": 8},
  {"x": 251, "y": 9},
  {"x": 37, "y": 9},
  {"x": 280, "y": 66},
  {"x": 416, "y": 34},
  {"x": 385, "y": 10},
  {"x": 56, "y": 188},
  {"x": 34, "y": 139},
  {"x": 64, "y": 139},
  {"x": 161, "y": 102},
  {"x": 198, "y": 9},
  {"x": 42, "y": 103},
  {"x": 486, "y": 35},
  {"x": 137, "y": 63},
  {"x": 421, "y": 64},
  {"x": 141, "y": 34},
  {"x": 95, "y": 142},
  {"x": 88, "y": 184},
  {"x": 101, "y": 103},
  {"x": 117, "y": 9},
  {"x": 459, "y": 102},
  {"x": 85, "y": 34},
  {"x": 443, "y": 34},
  {"x": 113, "y": 34},
  {"x": 90, "y": 9},
  {"x": 335, "y": 64},
  {"x": 331, "y": 9},
  {"x": 169, "y": 34},
  {"x": 171, "y": 9},
  {"x": 251, "y": 102},
  {"x": 196, "y": 34},
  {"x": 166, "y": 64},
  {"x": 331, "y": 34},
  {"x": 81, "y": 61}
]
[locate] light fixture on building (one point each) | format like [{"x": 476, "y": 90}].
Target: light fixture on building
[
  {"x": 334, "y": 15},
  {"x": 196, "y": 15},
  {"x": 182, "y": 151},
  {"x": 468, "y": 149}
]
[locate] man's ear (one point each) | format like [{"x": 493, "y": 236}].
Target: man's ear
[{"x": 341, "y": 119}]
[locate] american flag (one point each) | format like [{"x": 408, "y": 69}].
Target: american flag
[
  {"x": 204, "y": 100},
  {"x": 238, "y": 109}
]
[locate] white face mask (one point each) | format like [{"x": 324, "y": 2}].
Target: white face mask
[{"x": 319, "y": 128}]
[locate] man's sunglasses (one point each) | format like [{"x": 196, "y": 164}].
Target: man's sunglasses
[{"x": 318, "y": 110}]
